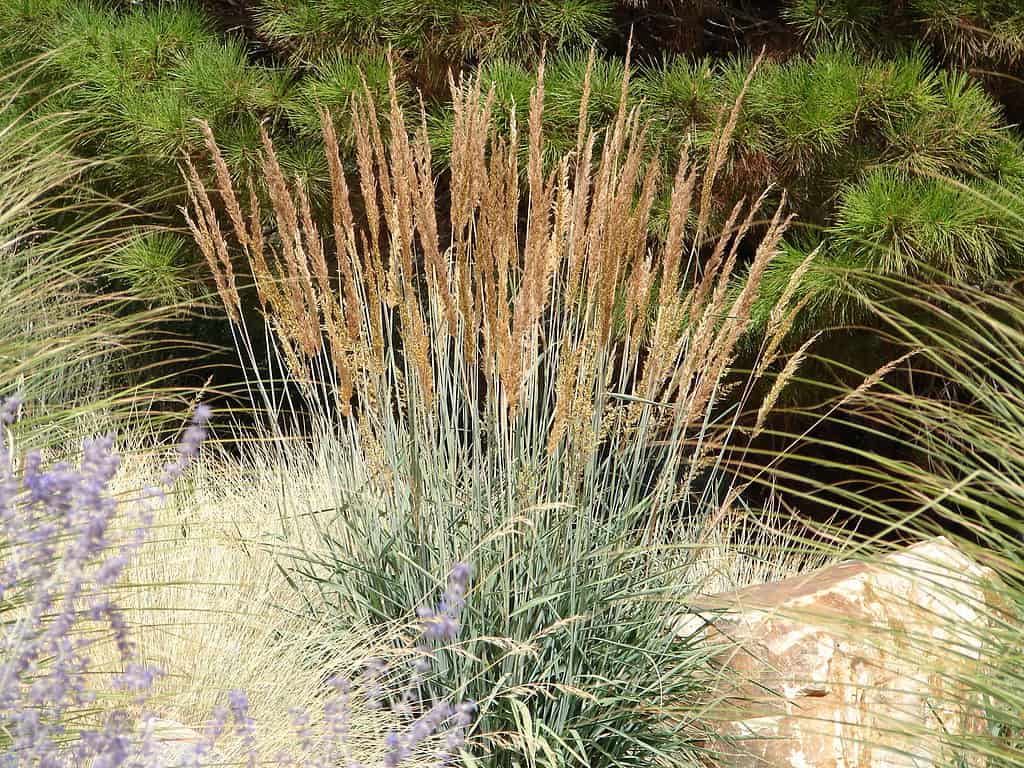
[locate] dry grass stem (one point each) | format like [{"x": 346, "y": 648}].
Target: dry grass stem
[{"x": 547, "y": 294}]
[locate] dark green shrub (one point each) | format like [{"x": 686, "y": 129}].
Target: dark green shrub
[
  {"x": 445, "y": 31},
  {"x": 967, "y": 31},
  {"x": 850, "y": 136}
]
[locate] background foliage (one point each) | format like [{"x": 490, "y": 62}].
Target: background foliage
[{"x": 855, "y": 111}]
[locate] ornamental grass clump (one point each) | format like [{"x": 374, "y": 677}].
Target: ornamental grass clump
[
  {"x": 518, "y": 377},
  {"x": 519, "y": 293},
  {"x": 71, "y": 343}
]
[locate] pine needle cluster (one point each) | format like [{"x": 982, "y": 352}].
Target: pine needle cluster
[
  {"x": 436, "y": 34},
  {"x": 967, "y": 31}
]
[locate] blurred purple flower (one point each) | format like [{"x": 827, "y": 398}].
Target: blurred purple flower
[
  {"x": 442, "y": 624},
  {"x": 61, "y": 561}
]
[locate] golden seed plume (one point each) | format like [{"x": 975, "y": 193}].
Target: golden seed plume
[{"x": 536, "y": 294}]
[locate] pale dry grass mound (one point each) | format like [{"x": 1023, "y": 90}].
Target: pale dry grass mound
[{"x": 209, "y": 603}]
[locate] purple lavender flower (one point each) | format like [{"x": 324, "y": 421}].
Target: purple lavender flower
[
  {"x": 245, "y": 726},
  {"x": 373, "y": 671},
  {"x": 442, "y": 624},
  {"x": 61, "y": 560},
  {"x": 188, "y": 448},
  {"x": 401, "y": 745},
  {"x": 9, "y": 410},
  {"x": 338, "y": 711},
  {"x": 211, "y": 733},
  {"x": 300, "y": 723},
  {"x": 138, "y": 679},
  {"x": 455, "y": 739},
  {"x": 437, "y": 625}
]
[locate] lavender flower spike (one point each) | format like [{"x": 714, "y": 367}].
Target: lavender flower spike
[
  {"x": 442, "y": 624},
  {"x": 62, "y": 556},
  {"x": 188, "y": 448}
]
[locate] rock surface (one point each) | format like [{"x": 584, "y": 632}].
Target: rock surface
[{"x": 851, "y": 666}]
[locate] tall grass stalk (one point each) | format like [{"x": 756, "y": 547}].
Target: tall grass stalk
[
  {"x": 518, "y": 378},
  {"x": 69, "y": 344}
]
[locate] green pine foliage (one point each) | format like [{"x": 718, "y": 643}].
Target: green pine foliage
[
  {"x": 331, "y": 84},
  {"x": 883, "y": 161},
  {"x": 974, "y": 30},
  {"x": 139, "y": 79},
  {"x": 835, "y": 22},
  {"x": 153, "y": 266},
  {"x": 882, "y": 158},
  {"x": 826, "y": 291},
  {"x": 967, "y": 31},
  {"x": 880, "y": 149},
  {"x": 892, "y": 222},
  {"x": 444, "y": 33},
  {"x": 809, "y": 110},
  {"x": 134, "y": 81}
]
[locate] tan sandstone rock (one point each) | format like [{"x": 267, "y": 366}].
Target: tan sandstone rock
[{"x": 852, "y": 666}]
